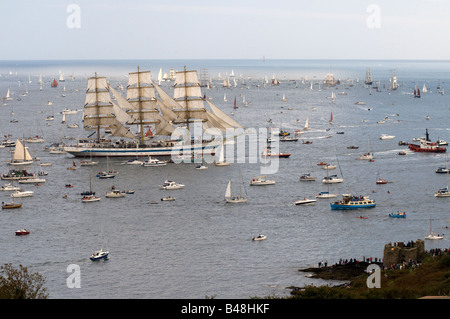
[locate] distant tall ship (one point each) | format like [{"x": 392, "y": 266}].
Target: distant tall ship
[
  {"x": 368, "y": 80},
  {"x": 394, "y": 83},
  {"x": 142, "y": 108}
]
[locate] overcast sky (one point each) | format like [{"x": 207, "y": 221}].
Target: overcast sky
[{"x": 232, "y": 29}]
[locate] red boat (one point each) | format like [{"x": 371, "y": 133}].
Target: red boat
[
  {"x": 22, "y": 232},
  {"x": 54, "y": 83},
  {"x": 427, "y": 146},
  {"x": 269, "y": 153},
  {"x": 381, "y": 181}
]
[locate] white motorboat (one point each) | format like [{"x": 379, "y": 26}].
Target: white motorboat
[
  {"x": 100, "y": 254},
  {"x": 325, "y": 195},
  {"x": 386, "y": 137},
  {"x": 153, "y": 162},
  {"x": 10, "y": 187},
  {"x": 32, "y": 180},
  {"x": 22, "y": 194},
  {"x": 167, "y": 199},
  {"x": 305, "y": 201},
  {"x": 307, "y": 178},
  {"x": 332, "y": 179},
  {"x": 90, "y": 198},
  {"x": 200, "y": 167},
  {"x": 134, "y": 161},
  {"x": 443, "y": 192},
  {"x": 171, "y": 185},
  {"x": 259, "y": 237},
  {"x": 115, "y": 194},
  {"x": 261, "y": 180}
]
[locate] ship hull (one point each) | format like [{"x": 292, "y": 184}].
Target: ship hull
[
  {"x": 81, "y": 151},
  {"x": 418, "y": 148}
]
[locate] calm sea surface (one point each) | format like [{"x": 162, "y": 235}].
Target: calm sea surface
[{"x": 197, "y": 246}]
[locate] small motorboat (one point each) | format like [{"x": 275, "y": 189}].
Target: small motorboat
[
  {"x": 167, "y": 199},
  {"x": 325, "y": 195},
  {"x": 398, "y": 215},
  {"x": 98, "y": 255},
  {"x": 68, "y": 186},
  {"x": 129, "y": 191},
  {"x": 90, "y": 198},
  {"x": 381, "y": 181},
  {"x": 386, "y": 137},
  {"x": 259, "y": 237},
  {"x": 261, "y": 180},
  {"x": 402, "y": 153},
  {"x": 307, "y": 178},
  {"x": 9, "y": 187},
  {"x": 133, "y": 162},
  {"x": 153, "y": 162},
  {"x": 115, "y": 194},
  {"x": 201, "y": 167},
  {"x": 171, "y": 185},
  {"x": 22, "y": 194},
  {"x": 305, "y": 201},
  {"x": 21, "y": 232},
  {"x": 10, "y": 205}
]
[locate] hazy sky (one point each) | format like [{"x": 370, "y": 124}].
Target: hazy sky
[{"x": 232, "y": 29}]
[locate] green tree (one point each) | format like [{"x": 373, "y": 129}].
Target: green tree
[{"x": 20, "y": 284}]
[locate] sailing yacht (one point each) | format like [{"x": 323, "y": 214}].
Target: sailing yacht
[
  {"x": 8, "y": 95},
  {"x": 21, "y": 155},
  {"x": 221, "y": 161},
  {"x": 238, "y": 198},
  {"x": 143, "y": 107},
  {"x": 432, "y": 236}
]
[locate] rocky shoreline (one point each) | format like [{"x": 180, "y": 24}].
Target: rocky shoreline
[{"x": 342, "y": 272}]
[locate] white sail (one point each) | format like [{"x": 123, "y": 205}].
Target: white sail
[
  {"x": 21, "y": 153},
  {"x": 223, "y": 116},
  {"x": 306, "y": 124},
  {"x": 228, "y": 190}
]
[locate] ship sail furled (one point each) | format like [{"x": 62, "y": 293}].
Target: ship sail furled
[{"x": 99, "y": 109}]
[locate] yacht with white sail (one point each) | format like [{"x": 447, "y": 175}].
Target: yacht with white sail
[{"x": 21, "y": 155}]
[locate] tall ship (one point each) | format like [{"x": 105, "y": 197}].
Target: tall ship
[
  {"x": 427, "y": 146},
  {"x": 368, "y": 80},
  {"x": 394, "y": 83},
  {"x": 142, "y": 108}
]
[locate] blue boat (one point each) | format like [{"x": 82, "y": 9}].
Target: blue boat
[
  {"x": 353, "y": 202},
  {"x": 398, "y": 215}
]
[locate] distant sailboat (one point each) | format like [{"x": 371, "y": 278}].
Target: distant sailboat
[
  {"x": 331, "y": 118},
  {"x": 235, "y": 199},
  {"x": 424, "y": 89},
  {"x": 306, "y": 124},
  {"x": 221, "y": 161},
  {"x": 8, "y": 95}
]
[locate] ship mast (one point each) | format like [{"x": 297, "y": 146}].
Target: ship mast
[{"x": 142, "y": 101}]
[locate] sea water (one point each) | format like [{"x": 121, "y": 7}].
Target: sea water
[{"x": 197, "y": 246}]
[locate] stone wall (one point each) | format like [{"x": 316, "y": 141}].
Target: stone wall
[{"x": 399, "y": 252}]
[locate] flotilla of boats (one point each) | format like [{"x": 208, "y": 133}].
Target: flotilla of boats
[{"x": 167, "y": 114}]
